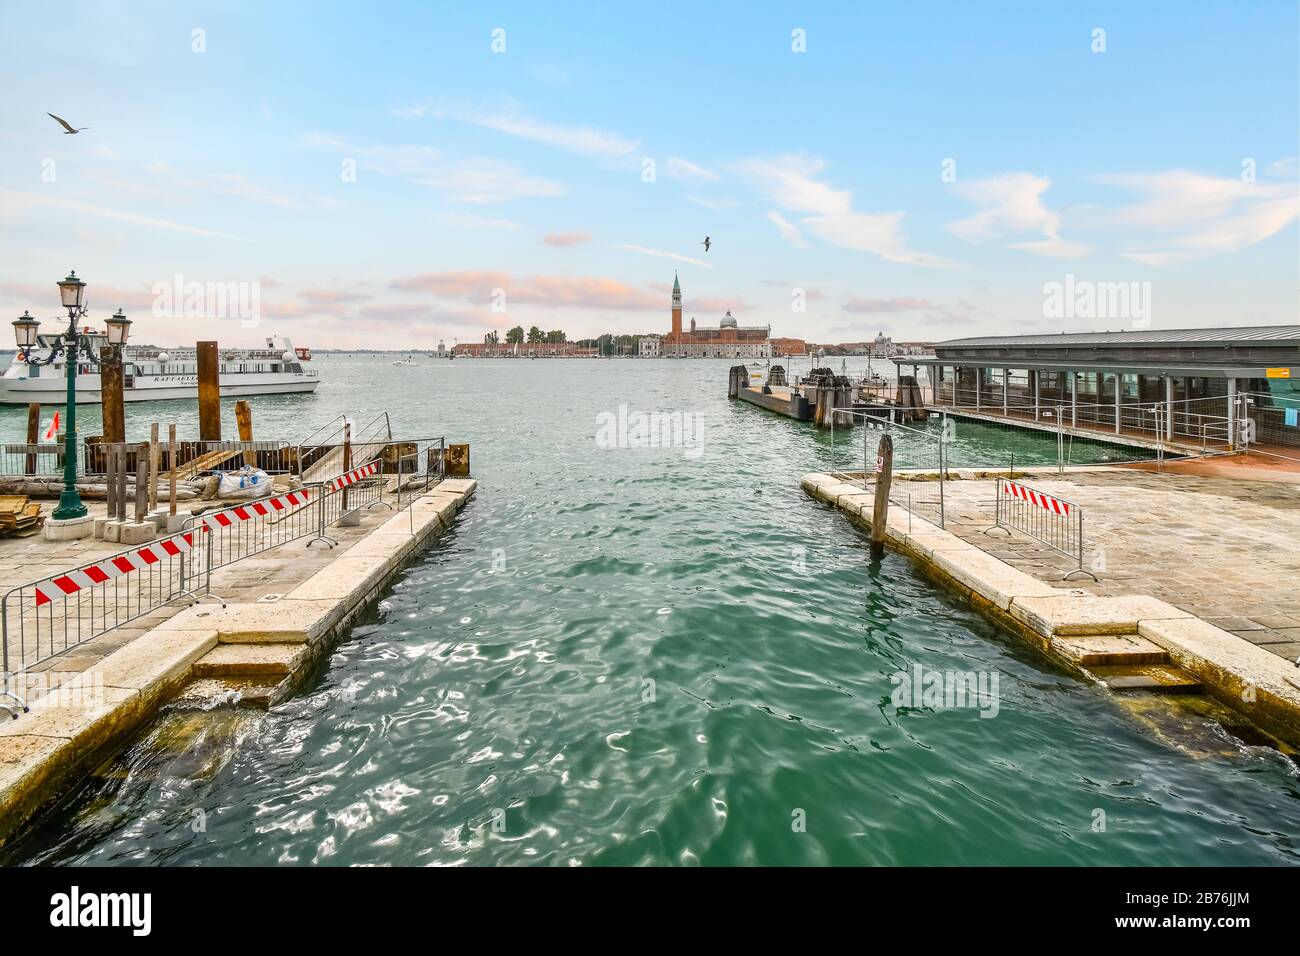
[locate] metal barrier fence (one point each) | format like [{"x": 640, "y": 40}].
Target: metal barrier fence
[
  {"x": 47, "y": 617},
  {"x": 1056, "y": 522},
  {"x": 915, "y": 450},
  {"x": 192, "y": 457}
]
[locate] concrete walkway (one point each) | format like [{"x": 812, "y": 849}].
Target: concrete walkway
[{"x": 1224, "y": 549}]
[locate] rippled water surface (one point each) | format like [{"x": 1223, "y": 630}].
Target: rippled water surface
[{"x": 668, "y": 656}]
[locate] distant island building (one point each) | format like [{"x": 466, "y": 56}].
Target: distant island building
[
  {"x": 729, "y": 340},
  {"x": 523, "y": 350}
]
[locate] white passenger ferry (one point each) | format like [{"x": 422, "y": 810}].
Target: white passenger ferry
[{"x": 151, "y": 374}]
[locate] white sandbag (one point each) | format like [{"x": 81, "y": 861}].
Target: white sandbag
[{"x": 248, "y": 482}]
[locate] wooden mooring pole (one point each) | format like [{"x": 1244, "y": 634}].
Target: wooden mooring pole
[
  {"x": 880, "y": 507},
  {"x": 33, "y": 433},
  {"x": 209, "y": 391},
  {"x": 171, "y": 469},
  {"x": 153, "y": 466},
  {"x": 244, "y": 419},
  {"x": 110, "y": 391}
]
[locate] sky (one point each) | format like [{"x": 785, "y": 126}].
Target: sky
[{"x": 388, "y": 175}]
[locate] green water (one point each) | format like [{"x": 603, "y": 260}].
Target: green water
[{"x": 665, "y": 656}]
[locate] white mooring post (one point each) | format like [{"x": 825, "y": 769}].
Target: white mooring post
[
  {"x": 1119, "y": 389},
  {"x": 1232, "y": 414},
  {"x": 1169, "y": 408}
]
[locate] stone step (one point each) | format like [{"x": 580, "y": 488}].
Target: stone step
[
  {"x": 1152, "y": 678},
  {"x": 1095, "y": 650},
  {"x": 212, "y": 693},
  {"x": 251, "y": 660}
]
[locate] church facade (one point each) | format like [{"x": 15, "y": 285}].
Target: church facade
[{"x": 728, "y": 340}]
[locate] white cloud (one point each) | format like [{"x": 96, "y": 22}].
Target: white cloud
[
  {"x": 1187, "y": 215},
  {"x": 14, "y": 200},
  {"x": 714, "y": 203},
  {"x": 1012, "y": 205},
  {"x": 790, "y": 182},
  {"x": 678, "y": 168},
  {"x": 479, "y": 222},
  {"x": 584, "y": 140},
  {"x": 663, "y": 254},
  {"x": 470, "y": 180},
  {"x": 789, "y": 231}
]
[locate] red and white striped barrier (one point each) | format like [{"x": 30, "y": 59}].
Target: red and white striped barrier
[
  {"x": 352, "y": 477},
  {"x": 1016, "y": 490},
  {"x": 254, "y": 509},
  {"x": 71, "y": 582}
]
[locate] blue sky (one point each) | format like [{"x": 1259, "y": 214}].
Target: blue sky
[{"x": 818, "y": 173}]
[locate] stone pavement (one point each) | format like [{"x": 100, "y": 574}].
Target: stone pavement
[
  {"x": 255, "y": 578},
  {"x": 1224, "y": 549}
]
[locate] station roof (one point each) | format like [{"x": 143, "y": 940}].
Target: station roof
[
  {"x": 1175, "y": 369},
  {"x": 1273, "y": 335}
]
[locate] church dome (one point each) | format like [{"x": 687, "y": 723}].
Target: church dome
[{"x": 728, "y": 321}]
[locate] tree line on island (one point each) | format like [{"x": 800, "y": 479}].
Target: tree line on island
[{"x": 607, "y": 344}]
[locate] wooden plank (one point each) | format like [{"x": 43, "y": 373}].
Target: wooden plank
[{"x": 205, "y": 462}]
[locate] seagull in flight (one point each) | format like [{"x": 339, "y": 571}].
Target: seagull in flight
[
  {"x": 706, "y": 243},
  {"x": 67, "y": 130}
]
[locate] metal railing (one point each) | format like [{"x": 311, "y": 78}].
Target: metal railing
[
  {"x": 1050, "y": 519},
  {"x": 1188, "y": 421},
  {"x": 323, "y": 452},
  {"x": 920, "y": 452},
  {"x": 47, "y": 617}
]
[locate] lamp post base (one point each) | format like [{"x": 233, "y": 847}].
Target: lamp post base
[{"x": 68, "y": 529}]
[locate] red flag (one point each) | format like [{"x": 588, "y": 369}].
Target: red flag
[{"x": 52, "y": 432}]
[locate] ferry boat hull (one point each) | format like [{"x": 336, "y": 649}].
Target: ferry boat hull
[{"x": 53, "y": 391}]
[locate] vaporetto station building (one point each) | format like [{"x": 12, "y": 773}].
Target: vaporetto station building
[{"x": 1196, "y": 382}]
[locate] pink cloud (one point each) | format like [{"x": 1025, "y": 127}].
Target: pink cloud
[
  {"x": 873, "y": 306},
  {"x": 582, "y": 292},
  {"x": 564, "y": 240}
]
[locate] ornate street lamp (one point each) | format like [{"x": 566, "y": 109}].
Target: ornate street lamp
[
  {"x": 71, "y": 291},
  {"x": 119, "y": 329}
]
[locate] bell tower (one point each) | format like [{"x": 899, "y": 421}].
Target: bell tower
[{"x": 677, "y": 309}]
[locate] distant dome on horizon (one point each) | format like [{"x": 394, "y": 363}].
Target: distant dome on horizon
[{"x": 728, "y": 321}]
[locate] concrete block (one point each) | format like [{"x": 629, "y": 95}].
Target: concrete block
[
  {"x": 1077, "y": 613},
  {"x": 288, "y": 621},
  {"x": 158, "y": 518},
  {"x": 153, "y": 663},
  {"x": 252, "y": 660},
  {"x": 1095, "y": 650},
  {"x": 112, "y": 530},
  {"x": 990, "y": 577},
  {"x": 132, "y": 532},
  {"x": 176, "y": 522},
  {"x": 350, "y": 519},
  {"x": 68, "y": 529},
  {"x": 464, "y": 487},
  {"x": 347, "y": 579},
  {"x": 927, "y": 544}
]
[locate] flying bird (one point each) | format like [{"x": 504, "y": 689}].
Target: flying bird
[
  {"x": 67, "y": 130},
  {"x": 706, "y": 243}
]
